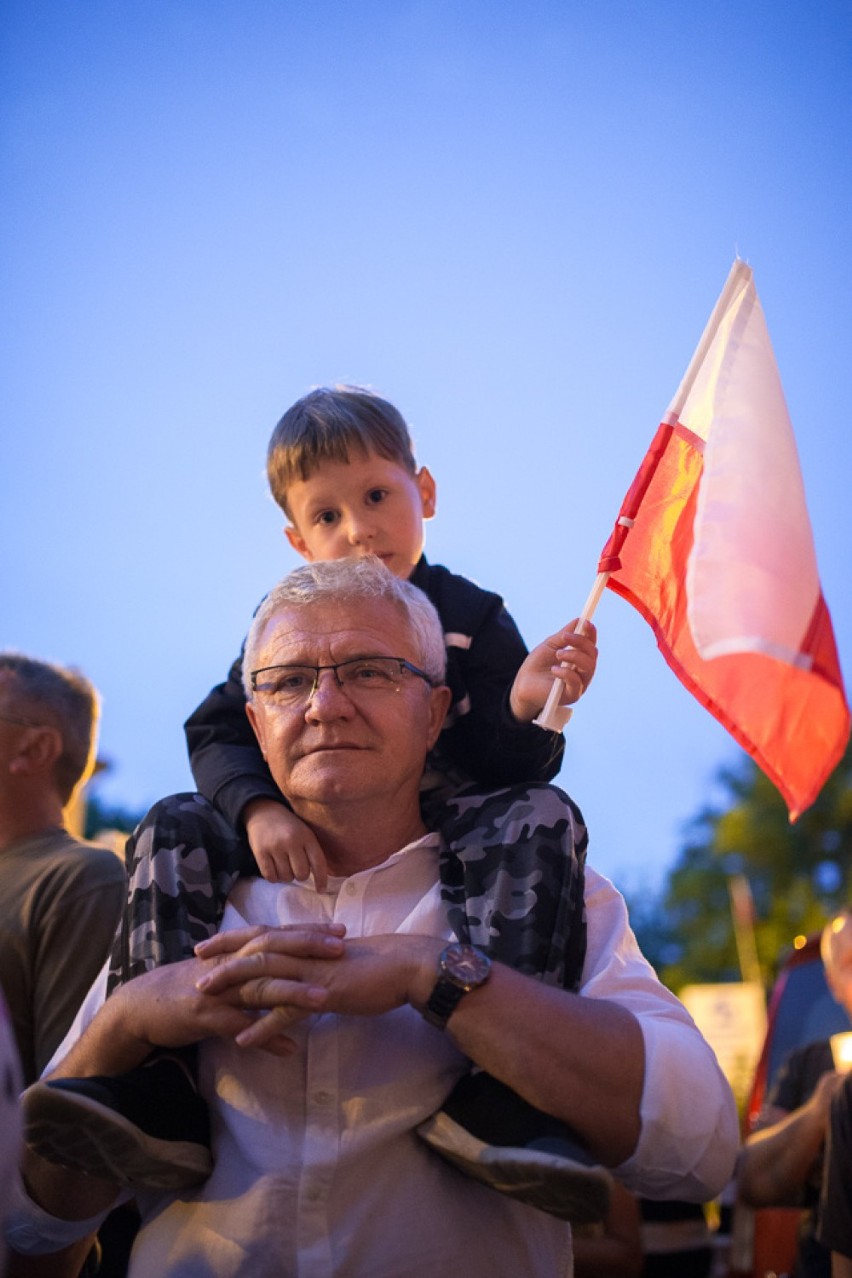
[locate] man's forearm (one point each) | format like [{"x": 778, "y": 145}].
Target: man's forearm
[
  {"x": 580, "y": 1059},
  {"x": 776, "y": 1162},
  {"x": 107, "y": 1046},
  {"x": 160, "y": 1008}
]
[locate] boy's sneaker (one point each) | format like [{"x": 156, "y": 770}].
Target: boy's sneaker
[
  {"x": 494, "y": 1135},
  {"x": 148, "y": 1127}
]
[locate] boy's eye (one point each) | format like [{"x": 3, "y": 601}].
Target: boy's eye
[
  {"x": 327, "y": 518},
  {"x": 376, "y": 495}
]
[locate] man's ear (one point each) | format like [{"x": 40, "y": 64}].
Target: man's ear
[
  {"x": 37, "y": 752},
  {"x": 428, "y": 491},
  {"x": 255, "y": 721},
  {"x": 439, "y": 704},
  {"x": 298, "y": 542}
]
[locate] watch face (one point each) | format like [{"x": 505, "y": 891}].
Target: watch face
[{"x": 465, "y": 964}]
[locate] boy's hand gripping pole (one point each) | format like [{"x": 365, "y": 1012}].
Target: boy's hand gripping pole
[{"x": 555, "y": 716}]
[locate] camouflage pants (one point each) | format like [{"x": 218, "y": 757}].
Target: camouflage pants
[{"x": 511, "y": 869}]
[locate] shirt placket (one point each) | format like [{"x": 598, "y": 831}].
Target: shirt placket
[{"x": 323, "y": 1120}]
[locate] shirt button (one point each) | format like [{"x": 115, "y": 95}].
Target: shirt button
[{"x": 322, "y": 1098}]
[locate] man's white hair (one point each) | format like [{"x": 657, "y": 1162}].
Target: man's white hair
[{"x": 341, "y": 580}]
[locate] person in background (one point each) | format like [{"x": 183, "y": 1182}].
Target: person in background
[
  {"x": 834, "y": 1226},
  {"x": 676, "y": 1240},
  {"x": 782, "y": 1160},
  {"x": 641, "y": 1238},
  {"x": 10, "y": 1115},
  {"x": 612, "y": 1247},
  {"x": 60, "y": 898}
]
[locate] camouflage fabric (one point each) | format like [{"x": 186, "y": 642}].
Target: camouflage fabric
[
  {"x": 512, "y": 874},
  {"x": 182, "y": 861},
  {"x": 511, "y": 869}
]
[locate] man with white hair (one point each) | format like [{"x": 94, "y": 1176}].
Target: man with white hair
[
  {"x": 782, "y": 1162},
  {"x": 333, "y": 1025}
]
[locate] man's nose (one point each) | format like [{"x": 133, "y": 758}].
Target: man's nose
[{"x": 328, "y": 699}]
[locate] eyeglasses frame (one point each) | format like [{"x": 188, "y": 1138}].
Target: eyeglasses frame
[{"x": 403, "y": 662}]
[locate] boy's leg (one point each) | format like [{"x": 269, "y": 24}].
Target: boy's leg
[
  {"x": 493, "y": 1135},
  {"x": 512, "y": 876},
  {"x": 182, "y": 861},
  {"x": 149, "y": 1126}
]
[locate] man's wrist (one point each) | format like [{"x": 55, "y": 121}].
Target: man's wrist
[
  {"x": 113, "y": 1043},
  {"x": 424, "y": 969},
  {"x": 460, "y": 970}
]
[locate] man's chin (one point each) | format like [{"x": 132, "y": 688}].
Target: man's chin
[{"x": 332, "y": 769}]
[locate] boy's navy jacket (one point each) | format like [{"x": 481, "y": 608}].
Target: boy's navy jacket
[{"x": 481, "y": 741}]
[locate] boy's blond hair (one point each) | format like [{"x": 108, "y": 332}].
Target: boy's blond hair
[{"x": 326, "y": 425}]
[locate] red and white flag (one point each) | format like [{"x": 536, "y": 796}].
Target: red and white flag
[{"x": 713, "y": 545}]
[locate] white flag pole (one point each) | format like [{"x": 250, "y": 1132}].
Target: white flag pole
[
  {"x": 739, "y": 275},
  {"x": 553, "y": 715}
]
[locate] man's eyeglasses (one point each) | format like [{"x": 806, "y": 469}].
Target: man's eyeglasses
[{"x": 295, "y": 685}]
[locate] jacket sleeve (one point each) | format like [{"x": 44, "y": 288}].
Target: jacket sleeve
[
  {"x": 225, "y": 758},
  {"x": 484, "y": 738}
]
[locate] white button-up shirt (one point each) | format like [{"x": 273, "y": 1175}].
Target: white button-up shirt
[{"x": 318, "y": 1169}]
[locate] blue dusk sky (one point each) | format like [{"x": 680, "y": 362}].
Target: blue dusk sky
[{"x": 511, "y": 220}]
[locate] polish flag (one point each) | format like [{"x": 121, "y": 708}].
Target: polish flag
[{"x": 713, "y": 546}]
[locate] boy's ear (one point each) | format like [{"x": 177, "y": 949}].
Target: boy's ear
[
  {"x": 428, "y": 491},
  {"x": 297, "y": 541}
]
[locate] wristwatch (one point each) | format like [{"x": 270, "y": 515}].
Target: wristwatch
[{"x": 461, "y": 968}]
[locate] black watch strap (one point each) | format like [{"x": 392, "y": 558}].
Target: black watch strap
[{"x": 443, "y": 1001}]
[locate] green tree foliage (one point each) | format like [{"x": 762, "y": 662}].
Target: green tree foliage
[
  {"x": 100, "y": 816},
  {"x": 799, "y": 876}
]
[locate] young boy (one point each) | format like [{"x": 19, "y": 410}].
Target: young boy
[{"x": 340, "y": 465}]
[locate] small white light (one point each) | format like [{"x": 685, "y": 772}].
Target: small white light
[{"x": 841, "y": 1050}]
